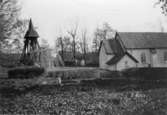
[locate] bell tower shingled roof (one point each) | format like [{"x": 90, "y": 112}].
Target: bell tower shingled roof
[{"x": 31, "y": 32}]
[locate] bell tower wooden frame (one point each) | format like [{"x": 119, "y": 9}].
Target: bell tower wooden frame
[{"x": 31, "y": 46}]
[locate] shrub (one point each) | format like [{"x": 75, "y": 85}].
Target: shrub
[
  {"x": 92, "y": 64},
  {"x": 110, "y": 74},
  {"x": 146, "y": 73},
  {"x": 25, "y": 72},
  {"x": 74, "y": 74}
]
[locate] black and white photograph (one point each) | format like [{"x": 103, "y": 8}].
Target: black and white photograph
[{"x": 83, "y": 57}]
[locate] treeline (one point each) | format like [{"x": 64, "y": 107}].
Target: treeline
[
  {"x": 78, "y": 41},
  {"x": 12, "y": 27},
  {"x": 12, "y": 30}
]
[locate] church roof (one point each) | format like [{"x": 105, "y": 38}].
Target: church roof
[
  {"x": 31, "y": 32},
  {"x": 143, "y": 40}
]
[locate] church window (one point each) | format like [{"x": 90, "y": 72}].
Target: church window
[
  {"x": 165, "y": 56},
  {"x": 143, "y": 58}
]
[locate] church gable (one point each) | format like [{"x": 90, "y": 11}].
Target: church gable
[{"x": 115, "y": 48}]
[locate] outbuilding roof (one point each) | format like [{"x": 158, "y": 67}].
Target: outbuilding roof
[{"x": 143, "y": 40}]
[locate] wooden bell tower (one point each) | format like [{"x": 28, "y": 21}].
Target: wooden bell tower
[{"x": 31, "y": 46}]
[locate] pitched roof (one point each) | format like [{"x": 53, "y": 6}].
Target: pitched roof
[
  {"x": 31, "y": 32},
  {"x": 112, "y": 46},
  {"x": 114, "y": 60},
  {"x": 143, "y": 40},
  {"x": 117, "y": 58}
]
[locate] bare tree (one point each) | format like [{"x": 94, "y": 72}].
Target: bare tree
[
  {"x": 60, "y": 45},
  {"x": 9, "y": 12},
  {"x": 161, "y": 26},
  {"x": 67, "y": 43},
  {"x": 73, "y": 34},
  {"x": 101, "y": 34},
  {"x": 63, "y": 44},
  {"x": 18, "y": 34},
  {"x": 96, "y": 42},
  {"x": 44, "y": 43},
  {"x": 12, "y": 29},
  {"x": 83, "y": 44}
]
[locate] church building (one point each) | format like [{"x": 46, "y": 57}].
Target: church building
[{"x": 133, "y": 50}]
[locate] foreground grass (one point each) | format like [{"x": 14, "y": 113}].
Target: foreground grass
[{"x": 74, "y": 101}]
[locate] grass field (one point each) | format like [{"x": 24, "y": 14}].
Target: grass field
[
  {"x": 104, "y": 96},
  {"x": 75, "y": 101}
]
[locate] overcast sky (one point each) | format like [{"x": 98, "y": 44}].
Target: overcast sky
[{"x": 53, "y": 17}]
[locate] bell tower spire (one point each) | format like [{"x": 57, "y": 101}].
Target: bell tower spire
[
  {"x": 31, "y": 45},
  {"x": 31, "y": 32}
]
